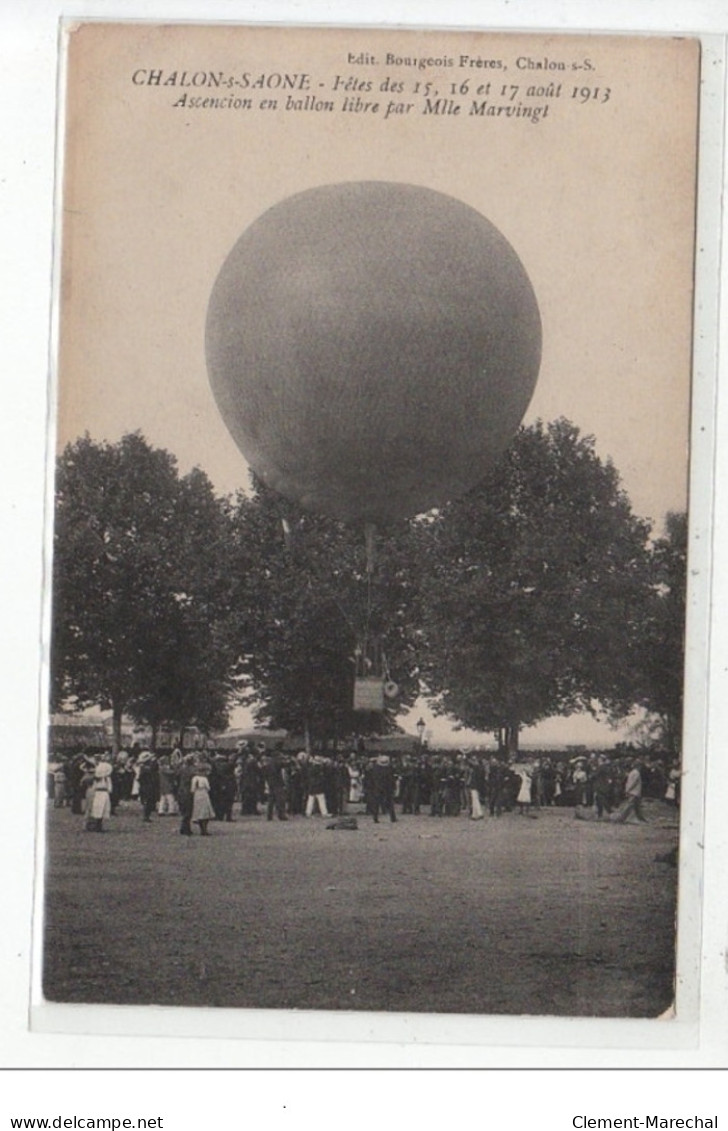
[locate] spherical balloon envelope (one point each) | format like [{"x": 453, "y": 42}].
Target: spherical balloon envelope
[{"x": 372, "y": 348}]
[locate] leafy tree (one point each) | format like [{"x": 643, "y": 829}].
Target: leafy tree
[
  {"x": 139, "y": 587},
  {"x": 535, "y": 584},
  {"x": 311, "y": 614},
  {"x": 187, "y": 676},
  {"x": 663, "y": 634}
]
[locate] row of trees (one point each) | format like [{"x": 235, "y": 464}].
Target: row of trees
[{"x": 539, "y": 593}]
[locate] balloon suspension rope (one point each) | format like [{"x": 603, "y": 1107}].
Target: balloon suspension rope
[
  {"x": 370, "y": 537},
  {"x": 318, "y": 575},
  {"x": 370, "y": 532}
]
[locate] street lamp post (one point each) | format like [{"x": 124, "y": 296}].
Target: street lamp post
[{"x": 420, "y": 726}]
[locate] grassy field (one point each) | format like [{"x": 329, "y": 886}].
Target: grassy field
[{"x": 512, "y": 916}]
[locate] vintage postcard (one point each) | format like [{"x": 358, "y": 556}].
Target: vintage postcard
[{"x": 371, "y": 522}]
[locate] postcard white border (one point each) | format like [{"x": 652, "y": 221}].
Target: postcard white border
[{"x": 88, "y": 1036}]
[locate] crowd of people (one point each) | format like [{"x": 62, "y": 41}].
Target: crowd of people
[{"x": 216, "y": 785}]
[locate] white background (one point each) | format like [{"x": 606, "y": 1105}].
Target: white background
[{"x": 28, "y": 76}]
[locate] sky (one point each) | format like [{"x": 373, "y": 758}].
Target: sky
[{"x": 597, "y": 198}]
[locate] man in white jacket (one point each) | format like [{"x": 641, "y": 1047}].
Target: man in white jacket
[{"x": 632, "y": 796}]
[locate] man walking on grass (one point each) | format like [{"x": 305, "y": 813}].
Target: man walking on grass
[{"x": 632, "y": 796}]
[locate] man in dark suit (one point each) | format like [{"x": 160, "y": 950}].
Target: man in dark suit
[
  {"x": 380, "y": 787},
  {"x": 496, "y": 785},
  {"x": 184, "y": 793},
  {"x": 148, "y": 783},
  {"x": 274, "y": 773}
]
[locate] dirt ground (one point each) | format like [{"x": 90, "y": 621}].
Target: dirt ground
[{"x": 516, "y": 915}]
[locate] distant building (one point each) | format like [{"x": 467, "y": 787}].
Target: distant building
[{"x": 67, "y": 732}]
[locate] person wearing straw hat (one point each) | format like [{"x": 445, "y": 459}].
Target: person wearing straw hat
[
  {"x": 167, "y": 804},
  {"x": 148, "y": 783}
]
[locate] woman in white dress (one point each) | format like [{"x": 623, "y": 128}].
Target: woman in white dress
[
  {"x": 525, "y": 772},
  {"x": 99, "y": 797},
  {"x": 202, "y": 810},
  {"x": 356, "y": 792}
]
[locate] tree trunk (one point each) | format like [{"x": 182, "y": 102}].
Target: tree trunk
[
  {"x": 181, "y": 743},
  {"x": 511, "y": 737},
  {"x": 155, "y": 732},
  {"x": 117, "y": 711},
  {"x": 307, "y": 737}
]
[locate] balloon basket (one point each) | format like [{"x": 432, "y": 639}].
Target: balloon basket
[{"x": 368, "y": 693}]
